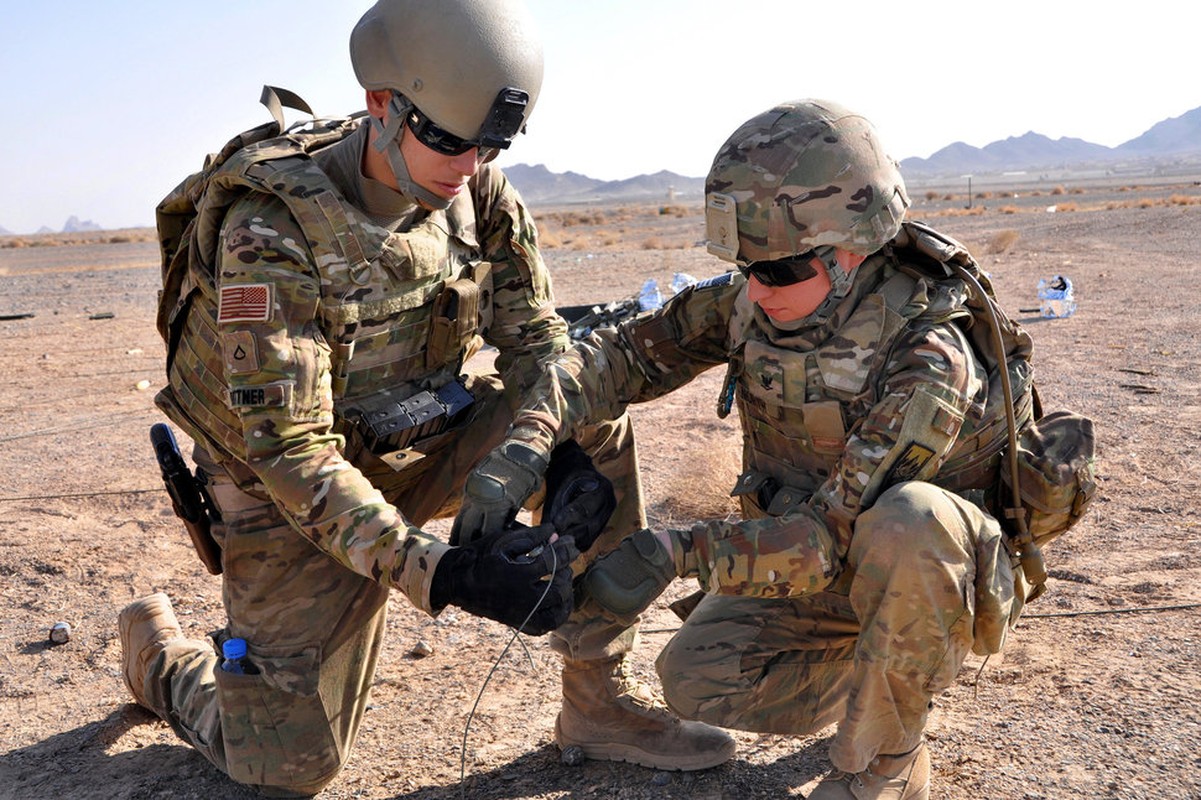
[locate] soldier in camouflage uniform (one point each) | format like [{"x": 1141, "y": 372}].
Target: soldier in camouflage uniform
[
  {"x": 867, "y": 564},
  {"x": 340, "y": 285}
]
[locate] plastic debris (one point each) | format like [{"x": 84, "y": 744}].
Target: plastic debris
[{"x": 1056, "y": 298}]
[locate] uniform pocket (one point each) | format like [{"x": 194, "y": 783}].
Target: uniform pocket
[{"x": 273, "y": 723}]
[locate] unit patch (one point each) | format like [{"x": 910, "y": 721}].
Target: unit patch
[
  {"x": 909, "y": 464},
  {"x": 247, "y": 302}
]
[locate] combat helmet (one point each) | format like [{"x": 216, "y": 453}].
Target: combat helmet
[
  {"x": 463, "y": 73},
  {"x": 805, "y": 175}
]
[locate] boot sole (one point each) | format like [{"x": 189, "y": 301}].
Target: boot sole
[{"x": 617, "y": 751}]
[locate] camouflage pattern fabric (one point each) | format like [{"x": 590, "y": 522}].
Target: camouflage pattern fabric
[
  {"x": 274, "y": 354},
  {"x": 923, "y": 561},
  {"x": 887, "y": 390},
  {"x": 803, "y": 175},
  {"x": 869, "y": 421}
]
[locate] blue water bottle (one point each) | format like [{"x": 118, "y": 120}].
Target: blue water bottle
[{"x": 234, "y": 652}]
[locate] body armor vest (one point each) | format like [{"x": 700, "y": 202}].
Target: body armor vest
[
  {"x": 799, "y": 407},
  {"x": 400, "y": 311}
]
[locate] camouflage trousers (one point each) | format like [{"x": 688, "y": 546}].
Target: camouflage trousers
[
  {"x": 927, "y": 580},
  {"x": 314, "y": 628}
]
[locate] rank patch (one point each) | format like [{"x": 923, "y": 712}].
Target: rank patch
[
  {"x": 241, "y": 352},
  {"x": 247, "y": 302}
]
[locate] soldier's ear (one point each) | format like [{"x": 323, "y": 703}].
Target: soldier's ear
[{"x": 377, "y": 103}]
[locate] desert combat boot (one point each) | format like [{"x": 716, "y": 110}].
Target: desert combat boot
[
  {"x": 612, "y": 716},
  {"x": 903, "y": 777},
  {"x": 145, "y": 625}
]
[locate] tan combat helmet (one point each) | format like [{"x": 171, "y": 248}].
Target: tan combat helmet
[
  {"x": 804, "y": 175},
  {"x": 463, "y": 73}
]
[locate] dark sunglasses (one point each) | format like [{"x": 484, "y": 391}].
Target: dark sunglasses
[
  {"x": 504, "y": 121},
  {"x": 782, "y": 271}
]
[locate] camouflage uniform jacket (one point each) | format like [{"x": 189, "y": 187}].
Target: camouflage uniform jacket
[
  {"x": 888, "y": 390},
  {"x": 278, "y": 348}
]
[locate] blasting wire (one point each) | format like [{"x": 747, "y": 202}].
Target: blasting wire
[
  {"x": 554, "y": 566},
  {"x": 98, "y": 421},
  {"x": 77, "y": 494}
]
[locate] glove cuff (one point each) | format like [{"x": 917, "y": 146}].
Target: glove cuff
[{"x": 524, "y": 455}]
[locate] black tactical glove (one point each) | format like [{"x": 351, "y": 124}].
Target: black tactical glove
[
  {"x": 579, "y": 500},
  {"x": 495, "y": 490},
  {"x": 627, "y": 580},
  {"x": 504, "y": 575}
]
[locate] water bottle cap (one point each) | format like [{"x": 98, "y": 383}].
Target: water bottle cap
[{"x": 234, "y": 649}]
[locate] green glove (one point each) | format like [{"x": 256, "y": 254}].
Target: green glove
[
  {"x": 495, "y": 490},
  {"x": 625, "y": 581}
]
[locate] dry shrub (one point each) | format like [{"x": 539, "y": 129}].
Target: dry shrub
[
  {"x": 1002, "y": 241},
  {"x": 1146, "y": 202},
  {"x": 703, "y": 491},
  {"x": 653, "y": 243},
  {"x": 1007, "y": 210},
  {"x": 548, "y": 238},
  {"x": 1065, "y": 207},
  {"x": 1058, "y": 190},
  {"x": 948, "y": 197},
  {"x": 1183, "y": 200},
  {"x": 931, "y": 196},
  {"x": 1077, "y": 190}
]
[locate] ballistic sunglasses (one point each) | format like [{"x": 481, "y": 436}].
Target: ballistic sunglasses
[
  {"x": 782, "y": 271},
  {"x": 504, "y": 121}
]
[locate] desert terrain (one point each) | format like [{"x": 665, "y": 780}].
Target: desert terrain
[{"x": 1095, "y": 696}]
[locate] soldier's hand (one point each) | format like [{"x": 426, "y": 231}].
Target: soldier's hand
[
  {"x": 627, "y": 580},
  {"x": 495, "y": 490},
  {"x": 579, "y": 500},
  {"x": 509, "y": 576}
]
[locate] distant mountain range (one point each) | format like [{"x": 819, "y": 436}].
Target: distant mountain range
[
  {"x": 539, "y": 186},
  {"x": 72, "y": 225},
  {"x": 1175, "y": 141}
]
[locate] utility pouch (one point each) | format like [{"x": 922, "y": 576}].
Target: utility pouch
[
  {"x": 1056, "y": 473},
  {"x": 454, "y": 322},
  {"x": 388, "y": 424}
]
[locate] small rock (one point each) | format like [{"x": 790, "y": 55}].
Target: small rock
[
  {"x": 60, "y": 633},
  {"x": 421, "y": 649},
  {"x": 573, "y": 756}
]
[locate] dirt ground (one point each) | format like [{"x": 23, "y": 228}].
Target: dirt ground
[{"x": 1095, "y": 696}]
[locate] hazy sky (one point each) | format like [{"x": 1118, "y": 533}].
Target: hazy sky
[{"x": 107, "y": 105}]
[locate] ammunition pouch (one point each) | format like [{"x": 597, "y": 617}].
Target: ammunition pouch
[
  {"x": 388, "y": 424},
  {"x": 454, "y": 322}
]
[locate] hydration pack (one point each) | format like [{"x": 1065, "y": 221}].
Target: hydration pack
[
  {"x": 189, "y": 218},
  {"x": 1048, "y": 474}
]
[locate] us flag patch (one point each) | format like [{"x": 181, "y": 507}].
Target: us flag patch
[{"x": 247, "y": 302}]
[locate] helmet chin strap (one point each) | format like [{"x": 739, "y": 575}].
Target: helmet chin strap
[
  {"x": 840, "y": 287},
  {"x": 388, "y": 142}
]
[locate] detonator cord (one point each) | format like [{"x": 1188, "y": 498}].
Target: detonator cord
[{"x": 554, "y": 566}]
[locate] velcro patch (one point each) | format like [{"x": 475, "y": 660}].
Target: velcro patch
[
  {"x": 241, "y": 352},
  {"x": 269, "y": 395},
  {"x": 246, "y": 302},
  {"x": 909, "y": 464}
]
